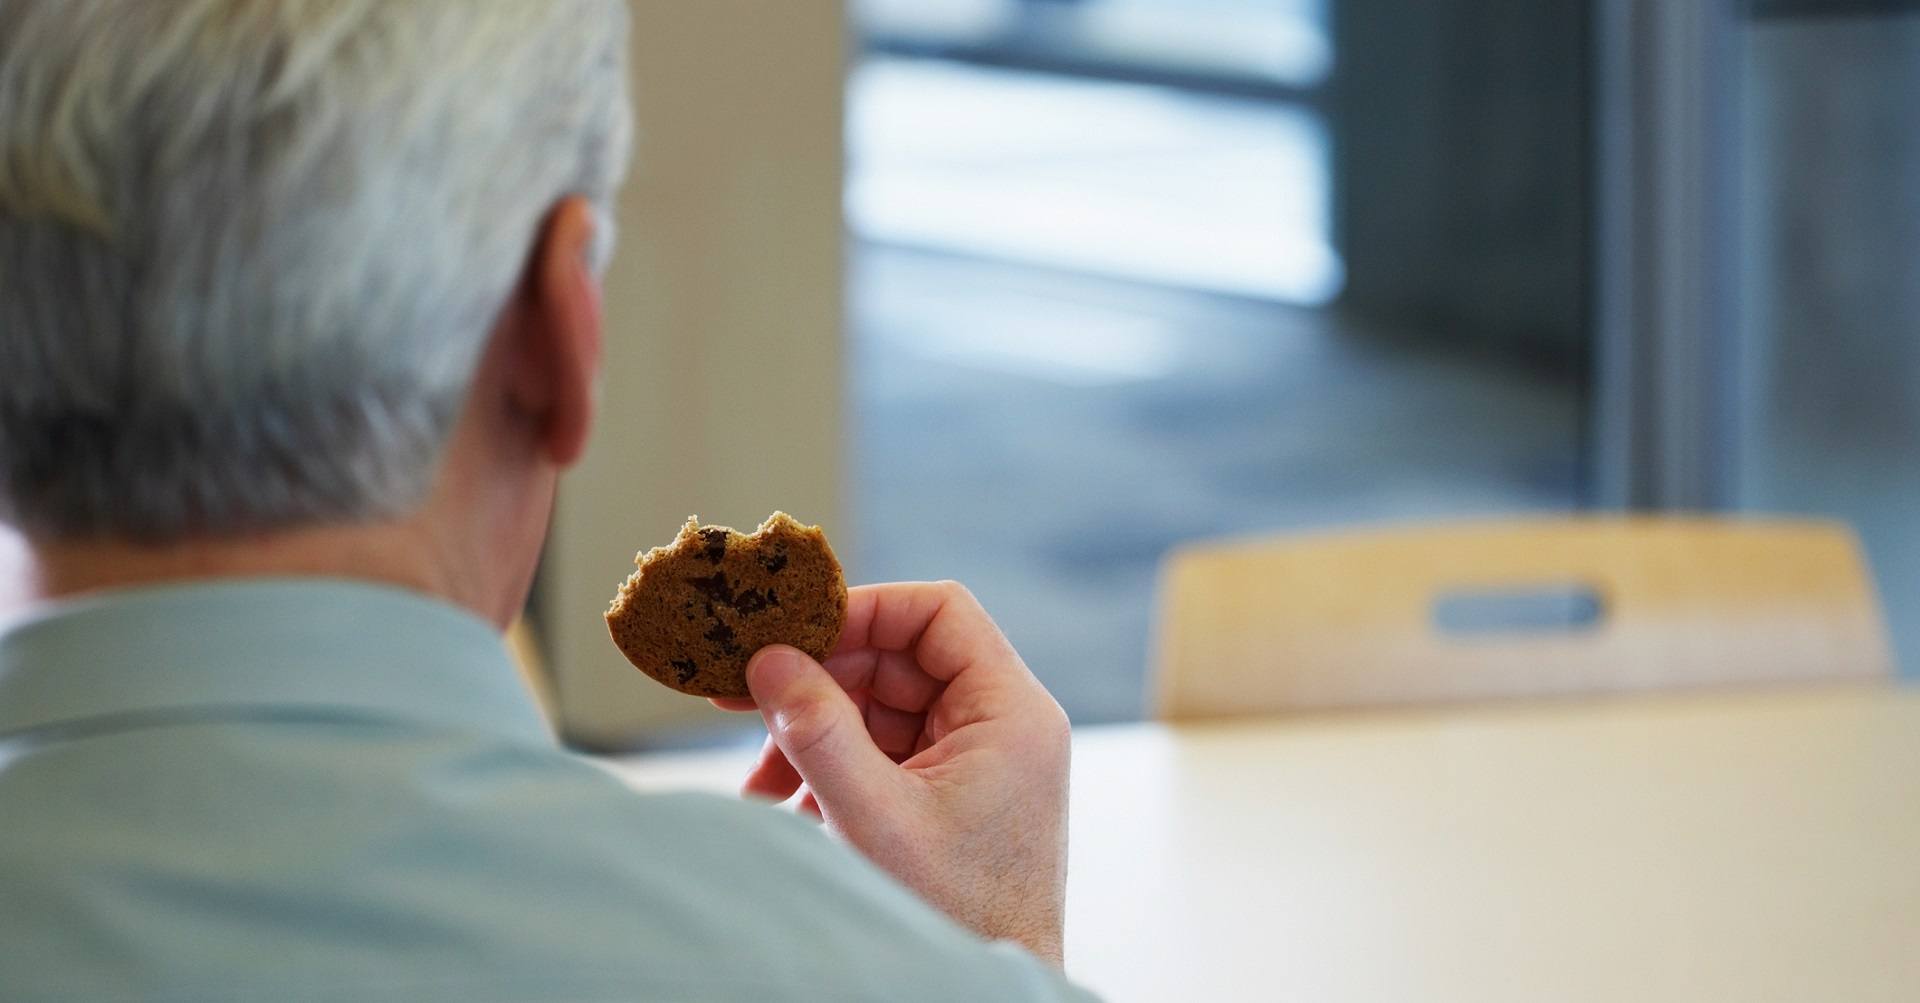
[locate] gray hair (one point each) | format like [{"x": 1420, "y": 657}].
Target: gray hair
[{"x": 251, "y": 250}]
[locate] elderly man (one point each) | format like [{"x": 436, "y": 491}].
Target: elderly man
[{"x": 299, "y": 325}]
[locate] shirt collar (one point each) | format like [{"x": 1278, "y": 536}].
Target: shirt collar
[{"x": 250, "y": 644}]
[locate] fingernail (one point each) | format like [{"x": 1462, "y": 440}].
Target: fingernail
[{"x": 773, "y": 669}]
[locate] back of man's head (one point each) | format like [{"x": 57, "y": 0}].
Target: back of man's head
[{"x": 250, "y": 250}]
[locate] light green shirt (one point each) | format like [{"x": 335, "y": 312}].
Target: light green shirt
[{"x": 320, "y": 790}]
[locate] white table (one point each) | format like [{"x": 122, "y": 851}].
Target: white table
[{"x": 1710, "y": 847}]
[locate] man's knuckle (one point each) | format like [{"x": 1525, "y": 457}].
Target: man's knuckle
[
  {"x": 1058, "y": 725},
  {"x": 1051, "y": 728},
  {"x": 955, "y": 596}
]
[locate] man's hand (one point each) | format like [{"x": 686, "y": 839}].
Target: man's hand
[{"x": 926, "y": 743}]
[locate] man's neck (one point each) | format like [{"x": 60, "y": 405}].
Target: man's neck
[
  {"x": 473, "y": 541},
  {"x": 398, "y": 554}
]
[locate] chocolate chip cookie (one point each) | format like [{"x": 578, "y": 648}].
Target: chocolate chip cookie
[{"x": 698, "y": 608}]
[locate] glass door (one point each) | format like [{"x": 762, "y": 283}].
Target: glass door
[
  {"x": 1828, "y": 190},
  {"x": 1758, "y": 273}
]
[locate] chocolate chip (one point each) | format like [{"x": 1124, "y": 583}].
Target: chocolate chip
[
  {"x": 723, "y": 636},
  {"x": 716, "y": 539},
  {"x": 719, "y": 592},
  {"x": 774, "y": 561},
  {"x": 714, "y": 587},
  {"x": 686, "y": 668}
]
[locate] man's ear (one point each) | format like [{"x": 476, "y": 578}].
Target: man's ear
[{"x": 563, "y": 298}]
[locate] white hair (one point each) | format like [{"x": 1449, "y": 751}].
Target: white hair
[{"x": 250, "y": 250}]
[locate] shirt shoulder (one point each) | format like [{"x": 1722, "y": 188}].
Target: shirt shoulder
[
  {"x": 765, "y": 896},
  {"x": 356, "y": 859}
]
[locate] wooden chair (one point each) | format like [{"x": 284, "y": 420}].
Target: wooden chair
[{"x": 1353, "y": 620}]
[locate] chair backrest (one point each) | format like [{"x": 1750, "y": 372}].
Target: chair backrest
[{"x": 1355, "y": 620}]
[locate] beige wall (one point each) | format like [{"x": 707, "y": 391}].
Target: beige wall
[{"x": 722, "y": 394}]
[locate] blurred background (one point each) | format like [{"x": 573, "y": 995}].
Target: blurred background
[{"x": 1027, "y": 292}]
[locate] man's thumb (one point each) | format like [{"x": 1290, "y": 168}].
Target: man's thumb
[{"x": 816, "y": 724}]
